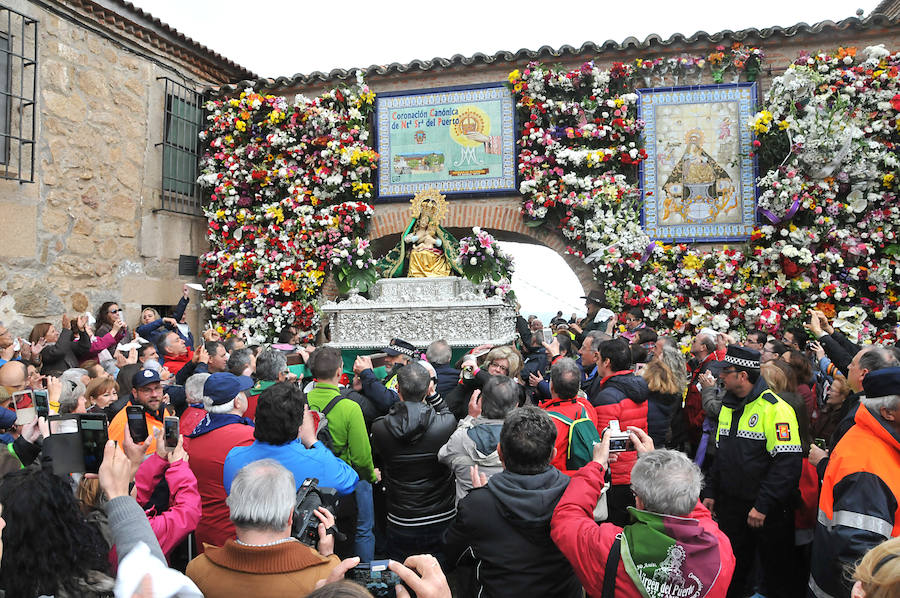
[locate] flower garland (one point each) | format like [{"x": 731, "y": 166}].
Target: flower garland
[
  {"x": 482, "y": 260},
  {"x": 288, "y": 186},
  {"x": 828, "y": 233}
]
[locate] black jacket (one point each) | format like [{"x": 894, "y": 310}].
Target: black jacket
[
  {"x": 447, "y": 377},
  {"x": 420, "y": 490},
  {"x": 660, "y": 408},
  {"x": 839, "y": 349},
  {"x": 505, "y": 528},
  {"x": 64, "y": 353}
]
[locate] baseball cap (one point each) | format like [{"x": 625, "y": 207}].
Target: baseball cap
[
  {"x": 222, "y": 387},
  {"x": 144, "y": 377}
]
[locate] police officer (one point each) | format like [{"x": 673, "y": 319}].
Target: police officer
[{"x": 756, "y": 475}]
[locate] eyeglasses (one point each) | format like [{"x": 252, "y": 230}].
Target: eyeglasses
[
  {"x": 502, "y": 368},
  {"x": 114, "y": 311}
]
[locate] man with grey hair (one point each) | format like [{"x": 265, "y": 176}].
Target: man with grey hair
[
  {"x": 193, "y": 398},
  {"x": 72, "y": 396},
  {"x": 271, "y": 368},
  {"x": 175, "y": 353},
  {"x": 858, "y": 506},
  {"x": 221, "y": 428},
  {"x": 474, "y": 443},
  {"x": 439, "y": 354},
  {"x": 673, "y": 539},
  {"x": 264, "y": 560},
  {"x": 242, "y": 362}
]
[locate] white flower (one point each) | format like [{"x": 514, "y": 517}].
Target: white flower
[{"x": 474, "y": 261}]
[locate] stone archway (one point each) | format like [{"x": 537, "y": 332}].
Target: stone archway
[{"x": 502, "y": 217}]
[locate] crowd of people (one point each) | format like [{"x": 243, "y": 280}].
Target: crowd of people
[{"x": 589, "y": 456}]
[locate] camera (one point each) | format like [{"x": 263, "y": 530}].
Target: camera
[
  {"x": 376, "y": 578},
  {"x": 310, "y": 496},
  {"x": 619, "y": 441}
]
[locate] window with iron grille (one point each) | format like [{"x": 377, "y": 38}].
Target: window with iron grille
[
  {"x": 181, "y": 148},
  {"x": 18, "y": 90}
]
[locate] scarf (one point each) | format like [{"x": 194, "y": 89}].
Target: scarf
[{"x": 667, "y": 556}]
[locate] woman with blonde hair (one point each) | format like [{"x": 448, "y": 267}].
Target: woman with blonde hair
[
  {"x": 878, "y": 573},
  {"x": 503, "y": 361},
  {"x": 667, "y": 382}
]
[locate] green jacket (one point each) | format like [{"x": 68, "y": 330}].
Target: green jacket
[{"x": 347, "y": 427}]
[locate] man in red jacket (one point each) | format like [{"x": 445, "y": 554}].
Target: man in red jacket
[
  {"x": 673, "y": 548},
  {"x": 223, "y": 428},
  {"x": 175, "y": 352},
  {"x": 565, "y": 381}
]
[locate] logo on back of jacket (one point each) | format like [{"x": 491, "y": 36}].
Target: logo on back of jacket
[{"x": 668, "y": 578}]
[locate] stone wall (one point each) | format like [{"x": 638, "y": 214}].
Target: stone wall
[{"x": 86, "y": 231}]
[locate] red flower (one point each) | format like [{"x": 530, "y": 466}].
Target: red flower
[{"x": 895, "y": 102}]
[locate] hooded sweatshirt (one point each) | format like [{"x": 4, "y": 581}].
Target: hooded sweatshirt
[
  {"x": 473, "y": 443},
  {"x": 505, "y": 527}
]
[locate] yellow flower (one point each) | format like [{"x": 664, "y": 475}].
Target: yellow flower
[
  {"x": 692, "y": 262},
  {"x": 361, "y": 189},
  {"x": 619, "y": 102},
  {"x": 783, "y": 124},
  {"x": 240, "y": 125},
  {"x": 276, "y": 213},
  {"x": 514, "y": 76},
  {"x": 888, "y": 180}
]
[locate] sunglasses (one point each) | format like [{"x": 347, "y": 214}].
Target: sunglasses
[{"x": 114, "y": 311}]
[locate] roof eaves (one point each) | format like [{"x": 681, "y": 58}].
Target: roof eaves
[{"x": 141, "y": 24}]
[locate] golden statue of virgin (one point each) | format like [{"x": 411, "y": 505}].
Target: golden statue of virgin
[{"x": 425, "y": 249}]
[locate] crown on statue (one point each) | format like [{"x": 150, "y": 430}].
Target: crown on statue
[{"x": 431, "y": 202}]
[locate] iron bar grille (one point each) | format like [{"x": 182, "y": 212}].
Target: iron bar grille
[
  {"x": 181, "y": 149},
  {"x": 18, "y": 91}
]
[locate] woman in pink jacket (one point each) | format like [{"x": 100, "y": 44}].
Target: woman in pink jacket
[{"x": 174, "y": 523}]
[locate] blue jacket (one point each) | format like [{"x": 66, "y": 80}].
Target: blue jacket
[
  {"x": 314, "y": 462},
  {"x": 154, "y": 330}
]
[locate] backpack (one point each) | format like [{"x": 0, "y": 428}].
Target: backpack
[
  {"x": 321, "y": 418},
  {"x": 583, "y": 436}
]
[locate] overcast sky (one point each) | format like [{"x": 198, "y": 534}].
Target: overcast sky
[
  {"x": 282, "y": 38},
  {"x": 286, "y": 37}
]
